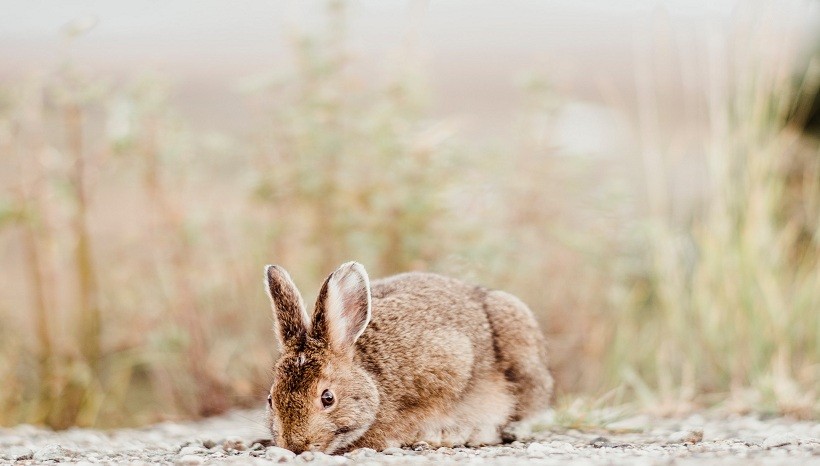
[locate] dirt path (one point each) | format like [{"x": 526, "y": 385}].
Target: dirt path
[{"x": 697, "y": 439}]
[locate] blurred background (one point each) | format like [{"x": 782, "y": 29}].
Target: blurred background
[{"x": 645, "y": 176}]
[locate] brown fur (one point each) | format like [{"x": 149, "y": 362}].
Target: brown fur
[{"x": 438, "y": 360}]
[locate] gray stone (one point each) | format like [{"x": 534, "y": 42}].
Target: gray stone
[
  {"x": 362, "y": 453},
  {"x": 599, "y": 442},
  {"x": 324, "y": 458},
  {"x": 393, "y": 451},
  {"x": 779, "y": 440},
  {"x": 538, "y": 450},
  {"x": 195, "y": 442},
  {"x": 192, "y": 450},
  {"x": 18, "y": 453},
  {"x": 233, "y": 443},
  {"x": 51, "y": 452},
  {"x": 566, "y": 447},
  {"x": 277, "y": 454},
  {"x": 188, "y": 460},
  {"x": 686, "y": 436}
]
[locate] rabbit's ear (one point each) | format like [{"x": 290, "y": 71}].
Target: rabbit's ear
[
  {"x": 343, "y": 307},
  {"x": 292, "y": 320}
]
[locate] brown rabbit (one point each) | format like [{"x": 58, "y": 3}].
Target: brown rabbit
[{"x": 413, "y": 357}]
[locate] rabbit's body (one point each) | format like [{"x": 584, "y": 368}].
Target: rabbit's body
[
  {"x": 439, "y": 361},
  {"x": 429, "y": 358}
]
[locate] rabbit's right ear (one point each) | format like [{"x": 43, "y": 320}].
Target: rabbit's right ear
[
  {"x": 292, "y": 320},
  {"x": 343, "y": 308}
]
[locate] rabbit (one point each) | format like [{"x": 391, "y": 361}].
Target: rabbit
[{"x": 410, "y": 358}]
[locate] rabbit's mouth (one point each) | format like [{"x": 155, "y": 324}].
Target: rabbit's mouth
[{"x": 343, "y": 438}]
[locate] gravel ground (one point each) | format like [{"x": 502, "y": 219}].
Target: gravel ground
[{"x": 698, "y": 439}]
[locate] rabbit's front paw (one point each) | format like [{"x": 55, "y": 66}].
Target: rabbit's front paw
[
  {"x": 448, "y": 436},
  {"x": 484, "y": 435}
]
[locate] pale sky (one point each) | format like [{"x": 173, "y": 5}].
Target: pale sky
[
  {"x": 145, "y": 18},
  {"x": 473, "y": 50}
]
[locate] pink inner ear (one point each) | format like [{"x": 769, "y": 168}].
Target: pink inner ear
[
  {"x": 354, "y": 312},
  {"x": 348, "y": 305}
]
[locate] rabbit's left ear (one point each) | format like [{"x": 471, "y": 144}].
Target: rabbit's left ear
[
  {"x": 290, "y": 316},
  {"x": 343, "y": 307}
]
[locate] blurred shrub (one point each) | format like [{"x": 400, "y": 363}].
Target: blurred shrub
[
  {"x": 343, "y": 170},
  {"x": 728, "y": 303}
]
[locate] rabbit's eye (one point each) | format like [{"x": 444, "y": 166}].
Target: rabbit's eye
[
  {"x": 270, "y": 400},
  {"x": 327, "y": 398}
]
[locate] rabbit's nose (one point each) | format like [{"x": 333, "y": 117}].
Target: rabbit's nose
[
  {"x": 296, "y": 448},
  {"x": 297, "y": 445},
  {"x": 302, "y": 447}
]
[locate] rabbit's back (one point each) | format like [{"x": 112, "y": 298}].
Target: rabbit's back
[
  {"x": 416, "y": 303},
  {"x": 427, "y": 333}
]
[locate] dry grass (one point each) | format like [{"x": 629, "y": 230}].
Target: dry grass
[{"x": 727, "y": 302}]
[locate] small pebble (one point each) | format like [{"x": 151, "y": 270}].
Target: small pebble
[
  {"x": 324, "y": 458},
  {"x": 50, "y": 452},
  {"x": 686, "y": 436},
  {"x": 779, "y": 440},
  {"x": 233, "y": 443},
  {"x": 362, "y": 453},
  {"x": 209, "y": 444},
  {"x": 749, "y": 442},
  {"x": 421, "y": 446},
  {"x": 538, "y": 450},
  {"x": 278, "y": 454},
  {"x": 195, "y": 442},
  {"x": 188, "y": 460},
  {"x": 18, "y": 453},
  {"x": 192, "y": 450},
  {"x": 599, "y": 442}
]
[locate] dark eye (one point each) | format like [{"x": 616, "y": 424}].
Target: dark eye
[
  {"x": 327, "y": 398},
  {"x": 270, "y": 400}
]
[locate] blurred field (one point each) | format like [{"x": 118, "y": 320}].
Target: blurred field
[{"x": 675, "y": 270}]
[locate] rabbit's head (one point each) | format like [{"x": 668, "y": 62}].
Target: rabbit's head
[{"x": 320, "y": 399}]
